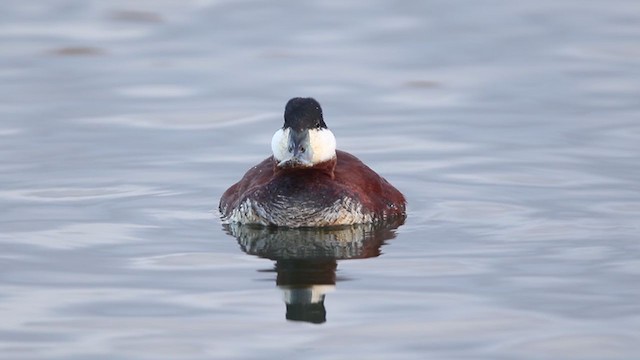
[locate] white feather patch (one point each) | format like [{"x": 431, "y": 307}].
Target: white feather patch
[
  {"x": 322, "y": 142},
  {"x": 280, "y": 144},
  {"x": 323, "y": 145}
]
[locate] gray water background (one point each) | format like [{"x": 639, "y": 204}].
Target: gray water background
[{"x": 512, "y": 127}]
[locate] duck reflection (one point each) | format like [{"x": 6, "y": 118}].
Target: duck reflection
[
  {"x": 304, "y": 284},
  {"x": 306, "y": 259}
]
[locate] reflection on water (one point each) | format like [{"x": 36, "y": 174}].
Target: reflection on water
[
  {"x": 305, "y": 284},
  {"x": 306, "y": 259}
]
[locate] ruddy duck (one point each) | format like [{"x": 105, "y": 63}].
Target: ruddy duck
[{"x": 307, "y": 182}]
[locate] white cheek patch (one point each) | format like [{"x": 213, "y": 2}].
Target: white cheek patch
[
  {"x": 321, "y": 141},
  {"x": 280, "y": 144},
  {"x": 323, "y": 145}
]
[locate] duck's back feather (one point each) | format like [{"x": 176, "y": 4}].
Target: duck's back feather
[{"x": 339, "y": 192}]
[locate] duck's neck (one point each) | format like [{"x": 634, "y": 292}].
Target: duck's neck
[{"x": 327, "y": 167}]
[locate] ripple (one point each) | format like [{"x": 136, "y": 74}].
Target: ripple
[
  {"x": 32, "y": 336},
  {"x": 75, "y": 236},
  {"x": 602, "y": 51},
  {"x": 579, "y": 346},
  {"x": 157, "y": 91},
  {"x": 583, "y": 253},
  {"x": 181, "y": 215},
  {"x": 89, "y": 31},
  {"x": 82, "y": 194},
  {"x": 136, "y": 16},
  {"x": 9, "y": 132},
  {"x": 626, "y": 266},
  {"x": 77, "y": 51},
  {"x": 191, "y": 261},
  {"x": 441, "y": 266},
  {"x": 481, "y": 211},
  {"x": 551, "y": 178},
  {"x": 388, "y": 143},
  {"x": 179, "y": 121},
  {"x": 129, "y": 309},
  {"x": 618, "y": 207},
  {"x": 553, "y": 230}
]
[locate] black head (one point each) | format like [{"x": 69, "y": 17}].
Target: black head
[{"x": 302, "y": 114}]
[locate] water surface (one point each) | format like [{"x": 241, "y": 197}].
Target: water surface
[{"x": 512, "y": 129}]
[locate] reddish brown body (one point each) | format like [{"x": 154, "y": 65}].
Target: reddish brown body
[{"x": 304, "y": 196}]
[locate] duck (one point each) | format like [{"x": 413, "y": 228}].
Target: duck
[{"x": 307, "y": 182}]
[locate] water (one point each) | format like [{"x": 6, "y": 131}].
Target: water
[{"x": 511, "y": 127}]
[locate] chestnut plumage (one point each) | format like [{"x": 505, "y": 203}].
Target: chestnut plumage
[{"x": 308, "y": 183}]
